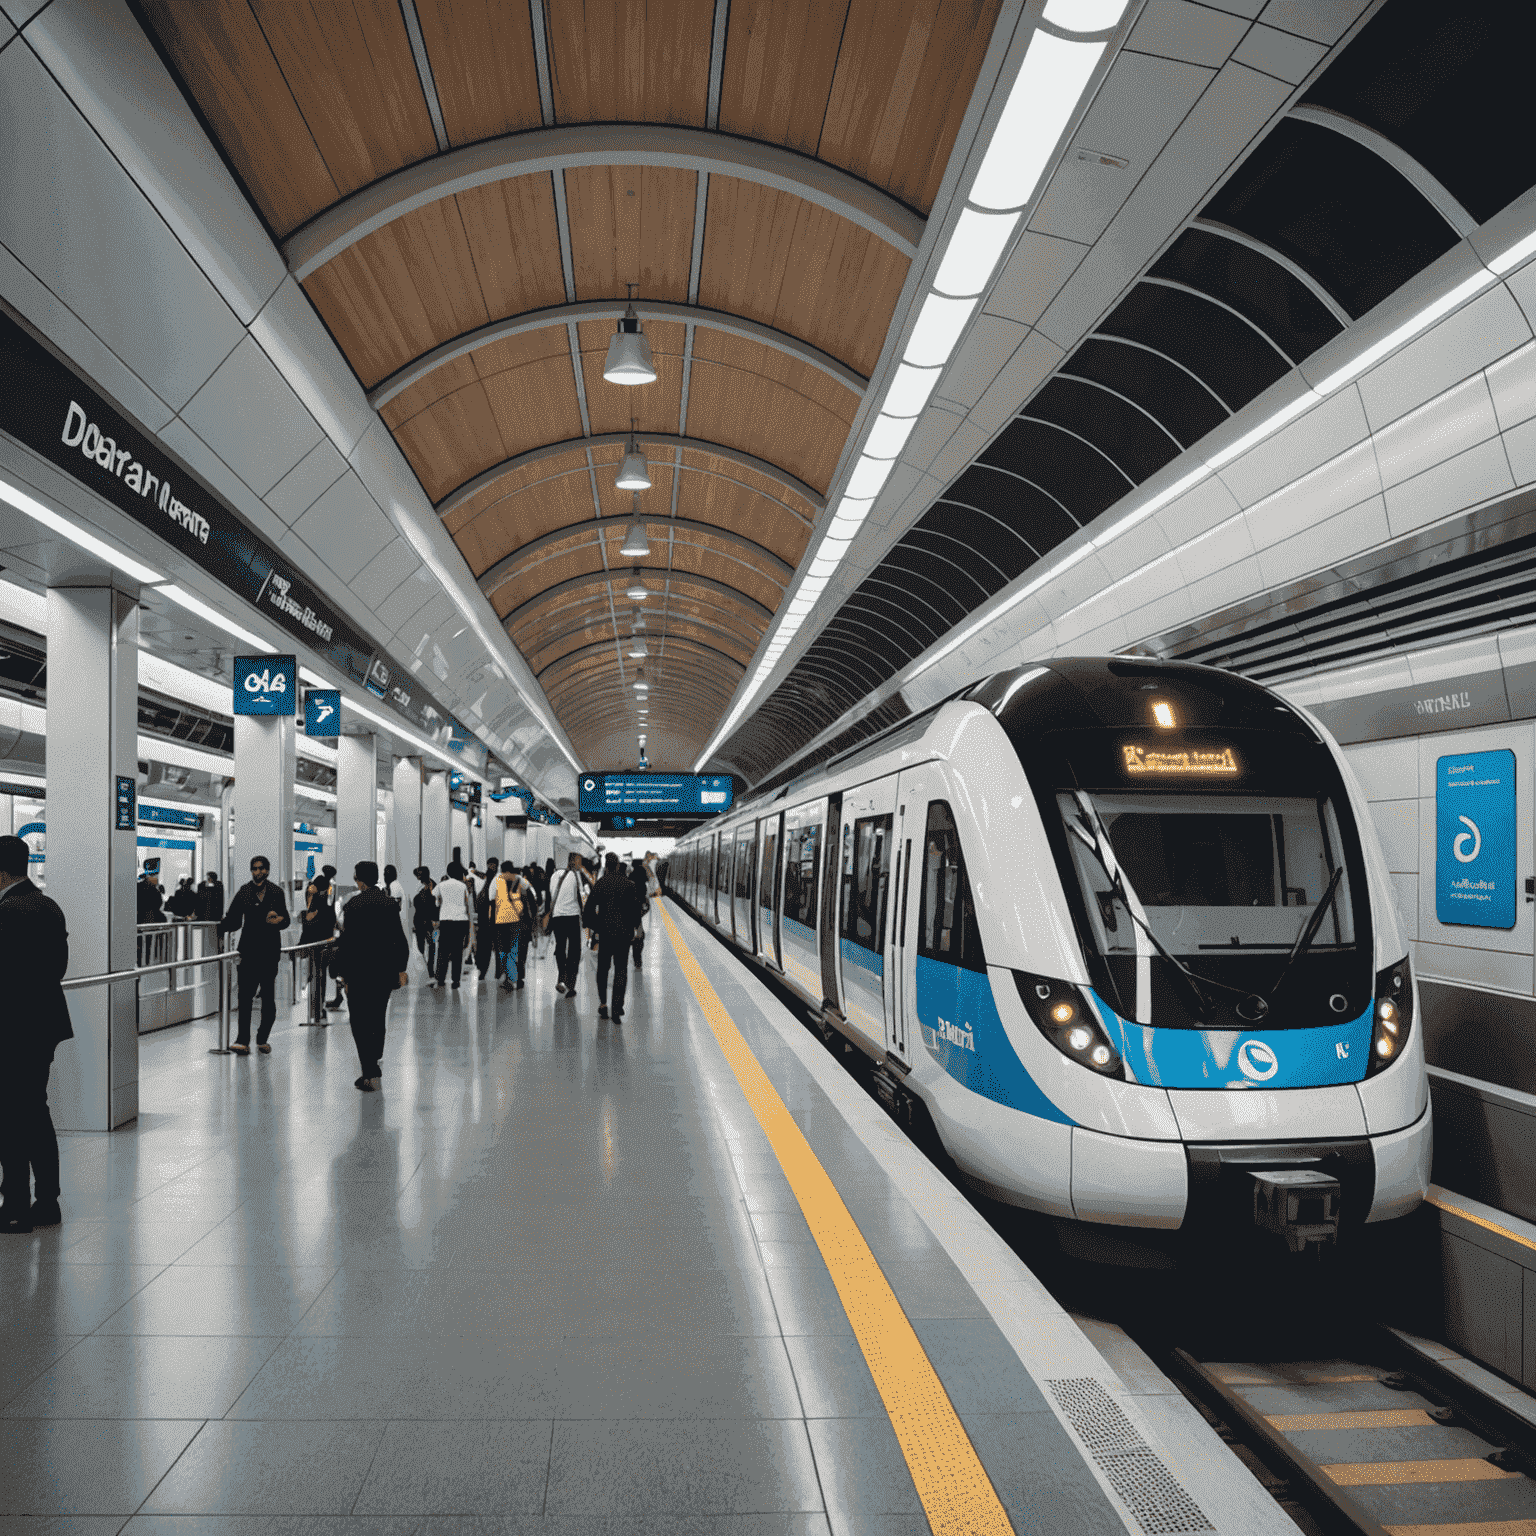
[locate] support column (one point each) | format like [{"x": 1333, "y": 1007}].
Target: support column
[
  {"x": 92, "y": 739},
  {"x": 357, "y": 817},
  {"x": 514, "y": 841},
  {"x": 384, "y": 829},
  {"x": 407, "y": 822},
  {"x": 264, "y": 774},
  {"x": 435, "y": 823}
]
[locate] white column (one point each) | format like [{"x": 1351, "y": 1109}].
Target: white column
[
  {"x": 264, "y": 772},
  {"x": 357, "y": 817},
  {"x": 434, "y": 823},
  {"x": 407, "y": 819},
  {"x": 514, "y": 841},
  {"x": 93, "y": 734}
]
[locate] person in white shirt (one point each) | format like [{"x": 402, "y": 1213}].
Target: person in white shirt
[
  {"x": 453, "y": 909},
  {"x": 567, "y": 896}
]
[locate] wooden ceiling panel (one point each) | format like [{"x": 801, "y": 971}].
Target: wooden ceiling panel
[
  {"x": 515, "y": 241},
  {"x": 776, "y": 258},
  {"x": 581, "y": 560},
  {"x": 699, "y": 560},
  {"x": 706, "y": 498},
  {"x": 452, "y": 439},
  {"x": 511, "y": 523},
  {"x": 534, "y": 404},
  {"x": 780, "y": 56},
  {"x": 455, "y": 375},
  {"x": 517, "y": 351},
  {"x": 631, "y": 224},
  {"x": 483, "y": 65},
  {"x": 508, "y": 486},
  {"x": 905, "y": 74},
  {"x": 630, "y": 61},
  {"x": 611, "y": 406},
  {"x": 749, "y": 356},
  {"x": 224, "y": 58},
  {"x": 351, "y": 71}
]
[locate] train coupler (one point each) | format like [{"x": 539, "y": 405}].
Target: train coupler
[{"x": 1300, "y": 1205}]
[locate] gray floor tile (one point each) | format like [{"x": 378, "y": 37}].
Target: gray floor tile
[
  {"x": 977, "y": 1366},
  {"x": 833, "y": 1377},
  {"x": 861, "y": 1467},
  {"x": 275, "y": 1469},
  {"x": 134, "y": 1376},
  {"x": 85, "y": 1466},
  {"x": 25, "y": 1356},
  {"x": 638, "y": 1466},
  {"x": 1040, "y": 1475},
  {"x": 60, "y": 1525},
  {"x": 479, "y": 1468},
  {"x": 679, "y": 1376},
  {"x": 933, "y": 1289},
  {"x": 71, "y": 1298},
  {"x": 800, "y": 1524},
  {"x": 127, "y": 1240},
  {"x": 278, "y": 1525},
  {"x": 808, "y": 1303},
  {"x": 224, "y": 1302}
]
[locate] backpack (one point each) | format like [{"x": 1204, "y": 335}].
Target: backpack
[{"x": 512, "y": 896}]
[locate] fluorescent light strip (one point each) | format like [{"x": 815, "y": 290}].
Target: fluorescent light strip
[
  {"x": 213, "y": 616},
  {"x": 33, "y": 508}
]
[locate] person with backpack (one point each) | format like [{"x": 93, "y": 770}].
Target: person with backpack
[
  {"x": 424, "y": 915},
  {"x": 640, "y": 876},
  {"x": 567, "y": 898},
  {"x": 317, "y": 925},
  {"x": 509, "y": 901},
  {"x": 485, "y": 922}
]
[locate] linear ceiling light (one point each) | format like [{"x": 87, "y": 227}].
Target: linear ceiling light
[
  {"x": 633, "y": 475},
  {"x": 629, "y": 353},
  {"x": 213, "y": 616},
  {"x": 636, "y": 545},
  {"x": 14, "y": 496}
]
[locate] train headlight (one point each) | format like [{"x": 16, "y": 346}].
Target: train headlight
[
  {"x": 1062, "y": 1015},
  {"x": 1393, "y": 1016}
]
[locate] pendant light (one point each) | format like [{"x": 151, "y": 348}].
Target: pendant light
[
  {"x": 636, "y": 545},
  {"x": 629, "y": 353},
  {"x": 641, "y": 686},
  {"x": 633, "y": 475},
  {"x": 637, "y": 620},
  {"x": 637, "y": 591},
  {"x": 638, "y": 647}
]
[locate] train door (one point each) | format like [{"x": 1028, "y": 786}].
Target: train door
[
  {"x": 741, "y": 887},
  {"x": 864, "y": 884},
  {"x": 724, "y": 907},
  {"x": 716, "y": 851},
  {"x": 803, "y": 836},
  {"x": 768, "y": 891},
  {"x": 831, "y": 996},
  {"x": 898, "y": 984}
]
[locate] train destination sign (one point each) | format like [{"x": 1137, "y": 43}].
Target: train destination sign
[
  {"x": 1212, "y": 763},
  {"x": 654, "y": 794}
]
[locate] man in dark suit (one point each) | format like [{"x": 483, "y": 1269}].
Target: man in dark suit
[
  {"x": 613, "y": 913},
  {"x": 260, "y": 912},
  {"x": 34, "y": 954},
  {"x": 371, "y": 957}
]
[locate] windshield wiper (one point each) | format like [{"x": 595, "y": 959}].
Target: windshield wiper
[{"x": 1307, "y": 934}]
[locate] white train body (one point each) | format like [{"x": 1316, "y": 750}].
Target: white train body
[{"x": 1144, "y": 846}]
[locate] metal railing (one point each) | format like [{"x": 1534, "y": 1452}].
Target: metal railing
[{"x": 312, "y": 954}]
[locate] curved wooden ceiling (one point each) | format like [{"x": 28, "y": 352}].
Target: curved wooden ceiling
[{"x": 313, "y": 102}]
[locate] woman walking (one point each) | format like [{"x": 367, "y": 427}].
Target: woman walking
[{"x": 317, "y": 925}]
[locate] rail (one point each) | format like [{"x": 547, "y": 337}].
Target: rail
[{"x": 222, "y": 958}]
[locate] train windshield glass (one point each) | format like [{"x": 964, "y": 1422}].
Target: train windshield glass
[{"x": 1203, "y": 875}]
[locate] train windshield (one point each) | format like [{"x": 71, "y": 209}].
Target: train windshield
[{"x": 1193, "y": 874}]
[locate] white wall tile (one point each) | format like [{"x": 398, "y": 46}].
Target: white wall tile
[
  {"x": 1512, "y": 383},
  {"x": 1018, "y": 379},
  {"x": 1464, "y": 658},
  {"x": 1327, "y": 542},
  {"x": 303, "y": 485},
  {"x": 1441, "y": 428},
  {"x": 140, "y": 291},
  {"x": 395, "y": 563},
  {"x": 1083, "y": 581},
  {"x": 1388, "y": 770},
  {"x": 1225, "y": 544},
  {"x": 1176, "y": 29},
  {"x": 1476, "y": 967},
  {"x": 1135, "y": 548},
  {"x": 1033, "y": 276},
  {"x": 345, "y": 527},
  {"x": 1461, "y": 482},
  {"x": 183, "y": 441},
  {"x": 1230, "y": 584},
  {"x": 1200, "y": 508},
  {"x": 1163, "y": 612},
  {"x": 1329, "y": 428},
  {"x": 1324, "y": 21},
  {"x": 1522, "y": 284},
  {"x": 1462, "y": 344},
  {"x": 1520, "y": 445},
  {"x": 1397, "y": 826},
  {"x": 958, "y": 452},
  {"x": 1344, "y": 481},
  {"x": 1277, "y": 53},
  {"x": 250, "y": 417},
  {"x": 992, "y": 341},
  {"x": 934, "y": 428}
]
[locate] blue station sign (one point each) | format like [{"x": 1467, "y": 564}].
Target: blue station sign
[
  {"x": 322, "y": 712},
  {"x": 1475, "y": 838},
  {"x": 265, "y": 685},
  {"x": 654, "y": 794}
]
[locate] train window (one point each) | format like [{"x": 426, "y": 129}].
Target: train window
[
  {"x": 723, "y": 868},
  {"x": 769, "y": 876},
  {"x": 946, "y": 928},
  {"x": 866, "y": 877},
  {"x": 802, "y": 845}
]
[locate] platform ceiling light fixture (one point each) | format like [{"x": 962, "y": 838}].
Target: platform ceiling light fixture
[
  {"x": 633, "y": 475},
  {"x": 212, "y": 615},
  {"x": 638, "y": 647},
  {"x": 636, "y": 591},
  {"x": 637, "y": 621},
  {"x": 1043, "y": 100},
  {"x": 629, "y": 353},
  {"x": 641, "y": 686},
  {"x": 14, "y": 496},
  {"x": 636, "y": 545}
]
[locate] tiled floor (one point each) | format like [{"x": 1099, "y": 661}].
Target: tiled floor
[{"x": 551, "y": 1279}]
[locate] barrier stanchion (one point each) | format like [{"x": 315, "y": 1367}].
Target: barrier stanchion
[{"x": 222, "y": 1048}]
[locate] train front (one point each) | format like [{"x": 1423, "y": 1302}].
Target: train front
[{"x": 1242, "y": 951}]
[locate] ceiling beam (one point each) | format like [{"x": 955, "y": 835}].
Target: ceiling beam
[
  {"x": 669, "y": 440},
  {"x": 726, "y": 618},
  {"x": 742, "y": 549},
  {"x": 605, "y": 645},
  {"x": 656, "y": 629},
  {"x": 607, "y": 578},
  {"x": 611, "y": 309},
  {"x": 544, "y": 150}
]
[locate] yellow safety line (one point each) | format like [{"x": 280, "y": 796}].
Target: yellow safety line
[
  {"x": 1478, "y": 1221},
  {"x": 958, "y": 1496}
]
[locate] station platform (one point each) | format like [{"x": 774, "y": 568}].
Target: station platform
[{"x": 559, "y": 1276}]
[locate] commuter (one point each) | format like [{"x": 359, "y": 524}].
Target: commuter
[
  {"x": 319, "y": 924},
  {"x": 183, "y": 902},
  {"x": 210, "y": 898},
  {"x": 510, "y": 899},
  {"x": 424, "y": 913},
  {"x": 34, "y": 954},
  {"x": 534, "y": 903},
  {"x": 641, "y": 881},
  {"x": 370, "y": 958},
  {"x": 151, "y": 898},
  {"x": 485, "y": 923},
  {"x": 567, "y": 899},
  {"x": 392, "y": 887},
  {"x": 612, "y": 912},
  {"x": 260, "y": 912},
  {"x": 452, "y": 924}
]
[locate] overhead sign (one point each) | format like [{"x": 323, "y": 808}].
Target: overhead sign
[
  {"x": 1475, "y": 839},
  {"x": 654, "y": 794},
  {"x": 322, "y": 712},
  {"x": 264, "y": 685},
  {"x": 170, "y": 816}
]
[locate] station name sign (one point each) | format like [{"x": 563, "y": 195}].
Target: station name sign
[{"x": 654, "y": 794}]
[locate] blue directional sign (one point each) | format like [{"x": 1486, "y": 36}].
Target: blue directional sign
[
  {"x": 266, "y": 685},
  {"x": 654, "y": 794},
  {"x": 322, "y": 712},
  {"x": 127, "y": 802},
  {"x": 1475, "y": 839}
]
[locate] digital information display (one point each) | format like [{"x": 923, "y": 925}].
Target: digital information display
[
  {"x": 654, "y": 794},
  {"x": 1476, "y": 838}
]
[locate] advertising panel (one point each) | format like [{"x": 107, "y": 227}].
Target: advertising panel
[{"x": 1475, "y": 839}]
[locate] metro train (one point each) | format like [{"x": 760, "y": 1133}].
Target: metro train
[{"x": 1123, "y": 928}]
